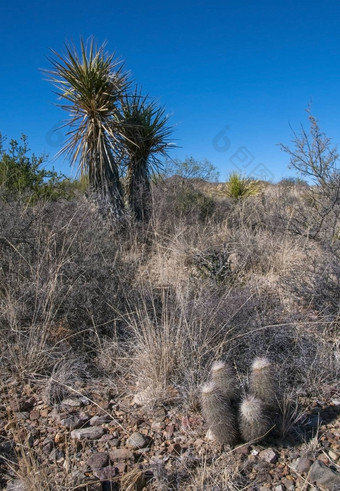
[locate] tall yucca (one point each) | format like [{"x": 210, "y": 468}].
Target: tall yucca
[
  {"x": 145, "y": 134},
  {"x": 90, "y": 85}
]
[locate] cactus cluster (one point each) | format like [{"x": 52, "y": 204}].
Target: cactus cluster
[{"x": 226, "y": 415}]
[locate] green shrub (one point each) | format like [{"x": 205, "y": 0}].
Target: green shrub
[
  {"x": 239, "y": 187},
  {"x": 22, "y": 175}
]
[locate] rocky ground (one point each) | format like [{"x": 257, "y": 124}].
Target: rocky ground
[{"x": 98, "y": 439}]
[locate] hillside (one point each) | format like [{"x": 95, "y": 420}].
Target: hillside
[{"x": 110, "y": 328}]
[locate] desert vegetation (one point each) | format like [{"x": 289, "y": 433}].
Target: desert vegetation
[{"x": 124, "y": 317}]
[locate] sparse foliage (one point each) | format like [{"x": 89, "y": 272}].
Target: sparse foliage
[
  {"x": 315, "y": 158},
  {"x": 190, "y": 168}
]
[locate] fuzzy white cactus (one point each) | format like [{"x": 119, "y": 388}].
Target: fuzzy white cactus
[
  {"x": 219, "y": 414},
  {"x": 253, "y": 419},
  {"x": 263, "y": 383}
]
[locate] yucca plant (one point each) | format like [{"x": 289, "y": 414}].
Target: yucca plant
[
  {"x": 145, "y": 134},
  {"x": 239, "y": 187},
  {"x": 91, "y": 84}
]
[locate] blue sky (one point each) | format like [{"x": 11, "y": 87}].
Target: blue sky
[{"x": 234, "y": 73}]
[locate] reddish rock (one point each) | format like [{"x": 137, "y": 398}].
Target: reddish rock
[
  {"x": 302, "y": 465},
  {"x": 106, "y": 473},
  {"x": 34, "y": 415},
  {"x": 98, "y": 460},
  {"x": 121, "y": 454},
  {"x": 268, "y": 455},
  {"x": 323, "y": 458}
]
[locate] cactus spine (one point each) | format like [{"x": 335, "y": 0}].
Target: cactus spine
[
  {"x": 254, "y": 421},
  {"x": 218, "y": 414}
]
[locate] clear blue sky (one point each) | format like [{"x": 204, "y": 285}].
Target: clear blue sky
[{"x": 233, "y": 73}]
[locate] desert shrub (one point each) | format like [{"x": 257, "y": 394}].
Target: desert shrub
[
  {"x": 179, "y": 198},
  {"x": 238, "y": 187},
  {"x": 214, "y": 264},
  {"x": 190, "y": 168},
  {"x": 23, "y": 176},
  {"x": 314, "y": 156},
  {"x": 61, "y": 265},
  {"x": 289, "y": 182}
]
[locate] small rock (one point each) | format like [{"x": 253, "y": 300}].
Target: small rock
[
  {"x": 92, "y": 433},
  {"x": 99, "y": 420},
  {"x": 48, "y": 447},
  {"x": 98, "y": 460},
  {"x": 157, "y": 426},
  {"x": 59, "y": 438},
  {"x": 121, "y": 454},
  {"x": 71, "y": 402},
  {"x": 288, "y": 484},
  {"x": 75, "y": 421},
  {"x": 136, "y": 440},
  {"x": 106, "y": 473},
  {"x": 323, "y": 458},
  {"x": 43, "y": 413},
  {"x": 302, "y": 465},
  {"x": 268, "y": 455},
  {"x": 34, "y": 415},
  {"x": 321, "y": 474},
  {"x": 279, "y": 487}
]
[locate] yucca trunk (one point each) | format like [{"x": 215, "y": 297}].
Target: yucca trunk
[
  {"x": 138, "y": 188},
  {"x": 106, "y": 184}
]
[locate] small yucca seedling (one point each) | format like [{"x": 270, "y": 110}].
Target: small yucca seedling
[
  {"x": 224, "y": 378},
  {"x": 263, "y": 382},
  {"x": 254, "y": 421},
  {"x": 219, "y": 414}
]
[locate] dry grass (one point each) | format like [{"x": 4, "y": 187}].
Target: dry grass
[{"x": 133, "y": 303}]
